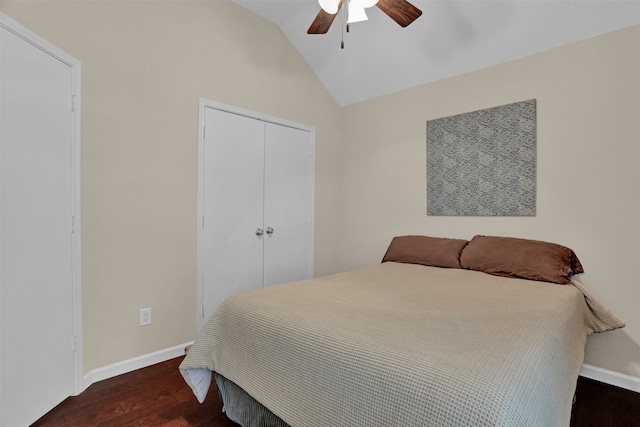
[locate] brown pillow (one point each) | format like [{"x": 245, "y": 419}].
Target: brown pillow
[
  {"x": 527, "y": 259},
  {"x": 433, "y": 251}
]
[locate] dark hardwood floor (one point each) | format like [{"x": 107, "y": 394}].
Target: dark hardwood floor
[
  {"x": 602, "y": 405},
  {"x": 158, "y": 396},
  {"x": 150, "y": 397}
]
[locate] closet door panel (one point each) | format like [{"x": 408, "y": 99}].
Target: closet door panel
[
  {"x": 232, "y": 206},
  {"x": 36, "y": 264},
  {"x": 288, "y": 191}
]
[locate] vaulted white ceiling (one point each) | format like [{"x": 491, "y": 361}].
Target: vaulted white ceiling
[{"x": 450, "y": 38}]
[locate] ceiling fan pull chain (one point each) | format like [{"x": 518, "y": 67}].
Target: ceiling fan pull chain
[
  {"x": 342, "y": 26},
  {"x": 342, "y": 40},
  {"x": 345, "y": 14}
]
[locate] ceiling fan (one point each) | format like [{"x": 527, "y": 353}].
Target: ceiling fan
[{"x": 401, "y": 11}]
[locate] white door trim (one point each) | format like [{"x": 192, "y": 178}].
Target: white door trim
[
  {"x": 75, "y": 66},
  {"x": 207, "y": 103}
]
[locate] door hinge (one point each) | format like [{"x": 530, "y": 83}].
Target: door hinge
[
  {"x": 73, "y": 103},
  {"x": 204, "y": 132},
  {"x": 73, "y": 224}
]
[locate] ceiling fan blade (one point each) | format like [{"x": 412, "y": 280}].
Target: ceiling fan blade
[
  {"x": 401, "y": 11},
  {"x": 323, "y": 21}
]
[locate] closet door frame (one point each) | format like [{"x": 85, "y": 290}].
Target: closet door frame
[
  {"x": 203, "y": 105},
  {"x": 75, "y": 67}
]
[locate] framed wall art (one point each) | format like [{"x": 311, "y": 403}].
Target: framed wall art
[{"x": 483, "y": 163}]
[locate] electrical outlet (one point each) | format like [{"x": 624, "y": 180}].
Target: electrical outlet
[{"x": 145, "y": 316}]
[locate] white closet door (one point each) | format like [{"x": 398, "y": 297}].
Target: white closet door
[
  {"x": 288, "y": 191},
  {"x": 38, "y": 366},
  {"x": 232, "y": 205}
]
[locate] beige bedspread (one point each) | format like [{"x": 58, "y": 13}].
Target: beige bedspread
[{"x": 404, "y": 345}]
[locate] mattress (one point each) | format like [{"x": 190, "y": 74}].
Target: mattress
[{"x": 403, "y": 345}]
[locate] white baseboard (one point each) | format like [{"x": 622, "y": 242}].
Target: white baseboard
[
  {"x": 611, "y": 377},
  {"x": 129, "y": 365}
]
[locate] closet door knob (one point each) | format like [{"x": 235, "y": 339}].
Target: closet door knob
[
  {"x": 259, "y": 232},
  {"x": 269, "y": 231}
]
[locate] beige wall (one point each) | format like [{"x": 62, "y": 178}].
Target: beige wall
[
  {"x": 145, "y": 64},
  {"x": 588, "y": 160}
]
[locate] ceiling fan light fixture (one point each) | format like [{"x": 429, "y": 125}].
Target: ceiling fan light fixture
[
  {"x": 356, "y": 13},
  {"x": 330, "y": 6}
]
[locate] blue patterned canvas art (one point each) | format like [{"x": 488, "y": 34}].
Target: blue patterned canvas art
[{"x": 483, "y": 163}]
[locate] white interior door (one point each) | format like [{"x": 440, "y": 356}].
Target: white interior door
[
  {"x": 232, "y": 206},
  {"x": 287, "y": 214},
  {"x": 38, "y": 356}
]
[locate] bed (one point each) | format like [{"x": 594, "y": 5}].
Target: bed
[{"x": 443, "y": 332}]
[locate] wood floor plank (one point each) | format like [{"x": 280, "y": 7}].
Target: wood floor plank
[{"x": 93, "y": 415}]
